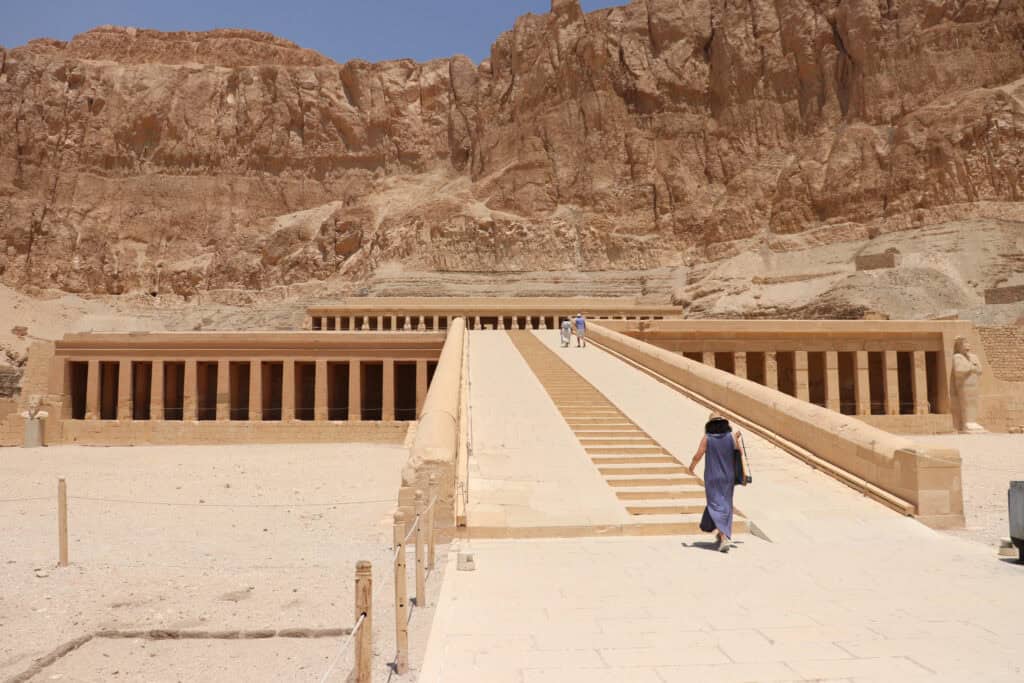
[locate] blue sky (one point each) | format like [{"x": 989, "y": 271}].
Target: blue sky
[{"x": 341, "y": 29}]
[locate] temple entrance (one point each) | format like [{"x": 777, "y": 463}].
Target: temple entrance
[
  {"x": 273, "y": 385},
  {"x": 337, "y": 391},
  {"x": 109, "y": 380},
  {"x": 726, "y": 362},
  {"x": 78, "y": 378},
  {"x": 206, "y": 390},
  {"x": 847, "y": 383},
  {"x": 817, "y": 383},
  {"x": 239, "y": 374},
  {"x": 373, "y": 390},
  {"x": 756, "y": 367},
  {"x": 786, "y": 361},
  {"x": 174, "y": 391},
  {"x": 876, "y": 380},
  {"x": 142, "y": 390},
  {"x": 305, "y": 391},
  {"x": 405, "y": 391}
]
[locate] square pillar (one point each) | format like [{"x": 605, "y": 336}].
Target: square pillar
[
  {"x": 380, "y": 323},
  {"x": 156, "y": 392},
  {"x": 255, "y": 390},
  {"x": 421, "y": 386},
  {"x": 921, "y": 406},
  {"x": 388, "y": 411},
  {"x": 803, "y": 386},
  {"x": 739, "y": 361},
  {"x": 124, "y": 390},
  {"x": 476, "y": 323},
  {"x": 515, "y": 322},
  {"x": 394, "y": 322},
  {"x": 708, "y": 358},
  {"x": 189, "y": 406},
  {"x": 892, "y": 384},
  {"x": 529, "y": 322},
  {"x": 320, "y": 399},
  {"x": 436, "y": 328},
  {"x": 92, "y": 391},
  {"x": 862, "y": 383},
  {"x": 355, "y": 391},
  {"x": 224, "y": 390},
  {"x": 501, "y": 322},
  {"x": 832, "y": 380},
  {"x": 771, "y": 370},
  {"x": 288, "y": 390}
]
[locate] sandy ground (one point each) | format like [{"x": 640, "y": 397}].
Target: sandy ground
[
  {"x": 227, "y": 537},
  {"x": 990, "y": 463}
]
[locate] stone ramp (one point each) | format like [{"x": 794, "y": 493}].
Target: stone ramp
[{"x": 655, "y": 489}]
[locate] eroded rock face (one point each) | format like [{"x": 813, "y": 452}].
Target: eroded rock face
[{"x": 660, "y": 133}]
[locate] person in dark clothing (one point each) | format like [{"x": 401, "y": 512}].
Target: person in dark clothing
[{"x": 718, "y": 445}]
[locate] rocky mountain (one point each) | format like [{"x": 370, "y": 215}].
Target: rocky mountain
[{"x": 659, "y": 134}]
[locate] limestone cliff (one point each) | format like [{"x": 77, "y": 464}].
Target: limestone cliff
[{"x": 660, "y": 133}]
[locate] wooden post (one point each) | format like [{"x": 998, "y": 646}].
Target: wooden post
[
  {"x": 62, "y": 521},
  {"x": 364, "y": 606},
  {"x": 421, "y": 576},
  {"x": 432, "y": 496},
  {"x": 401, "y": 599}
]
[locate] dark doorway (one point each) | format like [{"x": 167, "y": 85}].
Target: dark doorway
[
  {"x": 239, "y": 375},
  {"x": 905, "y": 375},
  {"x": 876, "y": 376},
  {"x": 755, "y": 366},
  {"x": 305, "y": 391},
  {"x": 405, "y": 391},
  {"x": 847, "y": 382},
  {"x": 725, "y": 361},
  {"x": 931, "y": 369},
  {"x": 206, "y": 390},
  {"x": 489, "y": 323},
  {"x": 109, "y": 380},
  {"x": 695, "y": 356},
  {"x": 373, "y": 390},
  {"x": 337, "y": 391},
  {"x": 174, "y": 391},
  {"x": 273, "y": 384},
  {"x": 786, "y": 363},
  {"x": 431, "y": 369},
  {"x": 78, "y": 378},
  {"x": 142, "y": 390},
  {"x": 817, "y": 383}
]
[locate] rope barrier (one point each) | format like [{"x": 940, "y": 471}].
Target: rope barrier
[
  {"x": 344, "y": 648},
  {"x": 122, "y": 501},
  {"x": 24, "y": 500}
]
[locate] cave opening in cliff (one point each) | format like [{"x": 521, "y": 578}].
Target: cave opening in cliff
[
  {"x": 405, "y": 391},
  {"x": 206, "y": 390},
  {"x": 726, "y": 361},
  {"x": 78, "y": 382},
  {"x": 273, "y": 387},
  {"x": 174, "y": 390},
  {"x": 817, "y": 383},
  {"x": 755, "y": 366},
  {"x": 373, "y": 390},
  {"x": 876, "y": 381},
  {"x": 239, "y": 378},
  {"x": 931, "y": 370},
  {"x": 786, "y": 363},
  {"x": 305, "y": 391},
  {"x": 337, "y": 391},
  {"x": 109, "y": 380},
  {"x": 142, "y": 389},
  {"x": 905, "y": 381},
  {"x": 847, "y": 383}
]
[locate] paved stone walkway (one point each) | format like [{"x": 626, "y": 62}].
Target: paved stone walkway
[{"x": 846, "y": 589}]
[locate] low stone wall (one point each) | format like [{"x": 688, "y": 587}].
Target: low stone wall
[
  {"x": 435, "y": 446},
  {"x": 911, "y": 424},
  {"x": 175, "y": 433},
  {"x": 928, "y": 478}
]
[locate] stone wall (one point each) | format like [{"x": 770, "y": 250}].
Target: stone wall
[
  {"x": 142, "y": 433},
  {"x": 1004, "y": 349},
  {"x": 889, "y": 258}
]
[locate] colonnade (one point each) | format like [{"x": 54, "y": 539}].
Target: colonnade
[
  {"x": 394, "y": 322},
  {"x": 247, "y": 389},
  {"x": 852, "y": 382}
]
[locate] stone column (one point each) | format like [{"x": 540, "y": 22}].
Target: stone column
[
  {"x": 320, "y": 400},
  {"x": 380, "y": 323},
  {"x": 355, "y": 391},
  {"x": 892, "y": 384},
  {"x": 189, "y": 406},
  {"x": 124, "y": 390},
  {"x": 501, "y": 322},
  {"x": 388, "y": 410},
  {"x": 543, "y": 323},
  {"x": 421, "y": 385},
  {"x": 862, "y": 382},
  {"x": 921, "y": 406},
  {"x": 529, "y": 322},
  {"x": 156, "y": 392},
  {"x": 832, "y": 380},
  {"x": 771, "y": 370},
  {"x": 394, "y": 323},
  {"x": 515, "y": 322},
  {"x": 92, "y": 391},
  {"x": 739, "y": 361},
  {"x": 255, "y": 390},
  {"x": 803, "y": 386},
  {"x": 436, "y": 318},
  {"x": 476, "y": 323},
  {"x": 708, "y": 358},
  {"x": 224, "y": 390},
  {"x": 288, "y": 390}
]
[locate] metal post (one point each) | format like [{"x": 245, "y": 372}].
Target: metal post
[
  {"x": 421, "y": 576},
  {"x": 62, "y": 521},
  {"x": 432, "y": 496}
]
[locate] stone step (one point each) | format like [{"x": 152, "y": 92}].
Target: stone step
[
  {"x": 621, "y": 470},
  {"x": 611, "y": 441},
  {"x": 623, "y": 450},
  {"x": 638, "y": 481},
  {"x": 658, "y": 493},
  {"x": 648, "y": 510},
  {"x": 638, "y": 460}
]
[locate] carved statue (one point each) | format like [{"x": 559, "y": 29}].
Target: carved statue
[
  {"x": 966, "y": 371},
  {"x": 33, "y": 412}
]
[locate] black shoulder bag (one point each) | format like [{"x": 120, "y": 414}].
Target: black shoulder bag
[{"x": 741, "y": 464}]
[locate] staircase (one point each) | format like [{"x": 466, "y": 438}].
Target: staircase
[{"x": 657, "y": 491}]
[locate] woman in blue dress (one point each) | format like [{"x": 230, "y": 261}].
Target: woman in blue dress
[{"x": 718, "y": 445}]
